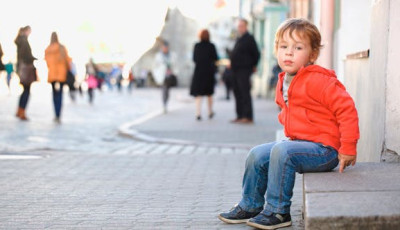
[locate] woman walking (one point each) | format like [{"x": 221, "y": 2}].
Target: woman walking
[
  {"x": 25, "y": 68},
  {"x": 58, "y": 63},
  {"x": 164, "y": 71},
  {"x": 203, "y": 82}
]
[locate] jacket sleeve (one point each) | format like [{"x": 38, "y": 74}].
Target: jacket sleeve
[
  {"x": 26, "y": 52},
  {"x": 255, "y": 54},
  {"x": 337, "y": 100}
]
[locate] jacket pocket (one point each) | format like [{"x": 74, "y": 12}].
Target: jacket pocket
[{"x": 301, "y": 122}]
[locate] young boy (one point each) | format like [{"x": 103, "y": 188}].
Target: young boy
[{"x": 320, "y": 120}]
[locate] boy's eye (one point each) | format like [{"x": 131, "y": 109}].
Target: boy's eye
[
  {"x": 283, "y": 46},
  {"x": 299, "y": 48}
]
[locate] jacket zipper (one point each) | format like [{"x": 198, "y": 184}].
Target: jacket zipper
[{"x": 287, "y": 127}]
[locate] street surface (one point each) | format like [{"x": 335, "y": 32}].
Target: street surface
[{"x": 83, "y": 174}]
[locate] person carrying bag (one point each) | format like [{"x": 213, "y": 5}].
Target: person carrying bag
[
  {"x": 164, "y": 70},
  {"x": 25, "y": 69}
]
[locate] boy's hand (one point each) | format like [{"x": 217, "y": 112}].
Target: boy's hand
[{"x": 345, "y": 160}]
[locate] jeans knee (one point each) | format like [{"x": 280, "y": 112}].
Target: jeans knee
[
  {"x": 257, "y": 157},
  {"x": 251, "y": 157},
  {"x": 279, "y": 154}
]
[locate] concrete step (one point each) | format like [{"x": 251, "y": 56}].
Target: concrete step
[{"x": 366, "y": 196}]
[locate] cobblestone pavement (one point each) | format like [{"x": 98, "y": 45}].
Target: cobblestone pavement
[{"x": 83, "y": 175}]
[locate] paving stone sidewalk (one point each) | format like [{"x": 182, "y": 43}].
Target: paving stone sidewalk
[{"x": 114, "y": 182}]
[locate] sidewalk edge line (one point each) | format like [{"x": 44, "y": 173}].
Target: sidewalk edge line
[{"x": 127, "y": 131}]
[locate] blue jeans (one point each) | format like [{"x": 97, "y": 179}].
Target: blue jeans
[
  {"x": 8, "y": 80},
  {"x": 57, "y": 97},
  {"x": 23, "y": 99},
  {"x": 274, "y": 166}
]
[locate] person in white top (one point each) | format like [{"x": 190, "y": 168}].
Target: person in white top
[{"x": 163, "y": 66}]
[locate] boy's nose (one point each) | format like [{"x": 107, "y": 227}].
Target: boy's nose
[{"x": 289, "y": 51}]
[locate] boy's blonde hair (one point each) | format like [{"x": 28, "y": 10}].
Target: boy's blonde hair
[{"x": 302, "y": 28}]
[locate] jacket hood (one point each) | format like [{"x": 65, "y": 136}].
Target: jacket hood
[
  {"x": 53, "y": 47},
  {"x": 313, "y": 68},
  {"x": 319, "y": 69}
]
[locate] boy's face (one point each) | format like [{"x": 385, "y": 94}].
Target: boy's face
[{"x": 294, "y": 52}]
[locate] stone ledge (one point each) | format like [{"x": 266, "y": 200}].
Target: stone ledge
[{"x": 366, "y": 196}]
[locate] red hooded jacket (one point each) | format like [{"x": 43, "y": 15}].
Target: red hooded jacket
[{"x": 319, "y": 110}]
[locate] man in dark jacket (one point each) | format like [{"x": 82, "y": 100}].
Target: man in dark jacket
[{"x": 244, "y": 59}]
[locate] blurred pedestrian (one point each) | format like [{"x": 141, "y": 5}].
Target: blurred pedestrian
[
  {"x": 244, "y": 59},
  {"x": 100, "y": 76},
  {"x": 227, "y": 79},
  {"x": 91, "y": 72},
  {"x": 276, "y": 70},
  {"x": 71, "y": 80},
  {"x": 58, "y": 64},
  {"x": 108, "y": 80},
  {"x": 164, "y": 71},
  {"x": 131, "y": 79},
  {"x": 116, "y": 73},
  {"x": 25, "y": 68},
  {"x": 9, "y": 67},
  {"x": 141, "y": 79},
  {"x": 203, "y": 81},
  {"x": 2, "y": 67}
]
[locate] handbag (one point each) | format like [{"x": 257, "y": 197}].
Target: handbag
[
  {"x": 92, "y": 82},
  {"x": 171, "y": 80},
  {"x": 27, "y": 74}
]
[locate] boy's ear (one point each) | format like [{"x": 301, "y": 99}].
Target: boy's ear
[{"x": 314, "y": 56}]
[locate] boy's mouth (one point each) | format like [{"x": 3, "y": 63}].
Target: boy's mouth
[{"x": 287, "y": 62}]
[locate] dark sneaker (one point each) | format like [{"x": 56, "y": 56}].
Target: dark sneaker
[
  {"x": 237, "y": 215},
  {"x": 272, "y": 221}
]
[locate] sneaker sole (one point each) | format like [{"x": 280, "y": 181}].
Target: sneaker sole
[
  {"x": 229, "y": 221},
  {"x": 260, "y": 226}
]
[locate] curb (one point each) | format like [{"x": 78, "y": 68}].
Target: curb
[{"x": 127, "y": 130}]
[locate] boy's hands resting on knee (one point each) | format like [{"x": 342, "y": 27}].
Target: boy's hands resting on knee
[{"x": 345, "y": 160}]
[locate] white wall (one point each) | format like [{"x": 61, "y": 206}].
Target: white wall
[
  {"x": 392, "y": 138},
  {"x": 368, "y": 93},
  {"x": 353, "y": 30},
  {"x": 353, "y": 34}
]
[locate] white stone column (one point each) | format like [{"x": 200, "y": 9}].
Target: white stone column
[{"x": 326, "y": 29}]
